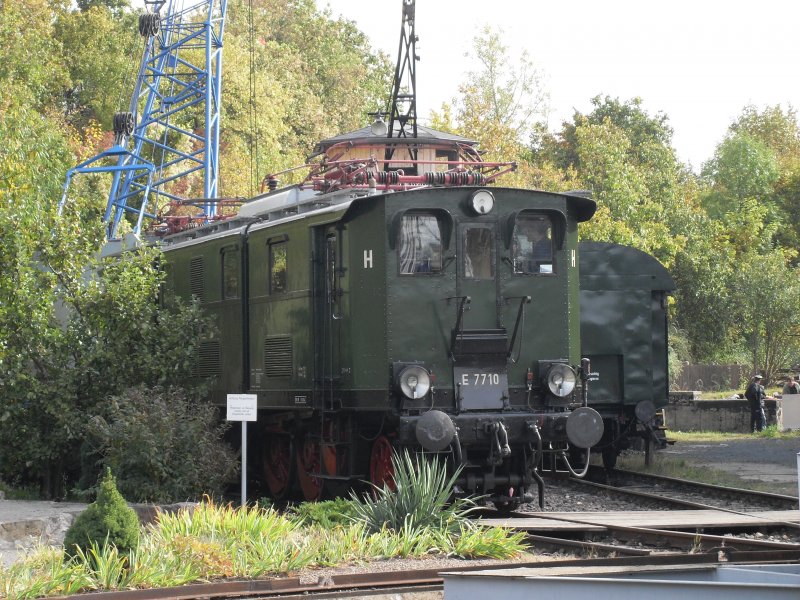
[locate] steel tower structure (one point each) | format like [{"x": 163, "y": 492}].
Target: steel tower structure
[
  {"x": 403, "y": 109},
  {"x": 156, "y": 142}
]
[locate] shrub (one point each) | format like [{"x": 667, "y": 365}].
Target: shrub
[
  {"x": 421, "y": 498},
  {"x": 163, "y": 445},
  {"x": 327, "y": 514},
  {"x": 107, "y": 520}
]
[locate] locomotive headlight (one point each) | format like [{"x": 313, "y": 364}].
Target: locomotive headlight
[
  {"x": 414, "y": 382},
  {"x": 561, "y": 380}
]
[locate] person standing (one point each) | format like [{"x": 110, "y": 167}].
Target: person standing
[
  {"x": 791, "y": 387},
  {"x": 755, "y": 395}
]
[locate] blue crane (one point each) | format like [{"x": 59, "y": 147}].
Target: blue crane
[{"x": 155, "y": 144}]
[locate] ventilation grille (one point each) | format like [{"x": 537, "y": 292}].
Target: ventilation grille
[
  {"x": 208, "y": 360},
  {"x": 278, "y": 356},
  {"x": 197, "y": 277}
]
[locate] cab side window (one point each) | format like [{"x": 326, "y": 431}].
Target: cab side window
[
  {"x": 230, "y": 273},
  {"x": 420, "y": 245},
  {"x": 277, "y": 267},
  {"x": 532, "y": 245}
]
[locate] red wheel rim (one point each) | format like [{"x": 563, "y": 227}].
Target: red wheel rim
[
  {"x": 381, "y": 469},
  {"x": 308, "y": 469},
  {"x": 277, "y": 464}
]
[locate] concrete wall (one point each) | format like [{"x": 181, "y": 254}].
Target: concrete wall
[{"x": 686, "y": 412}]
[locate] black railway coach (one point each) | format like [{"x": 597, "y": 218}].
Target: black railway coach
[{"x": 371, "y": 318}]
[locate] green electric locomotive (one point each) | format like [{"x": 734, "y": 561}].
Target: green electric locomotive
[{"x": 373, "y": 308}]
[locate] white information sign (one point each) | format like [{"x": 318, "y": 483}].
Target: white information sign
[{"x": 242, "y": 407}]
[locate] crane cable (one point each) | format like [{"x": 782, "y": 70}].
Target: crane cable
[{"x": 253, "y": 138}]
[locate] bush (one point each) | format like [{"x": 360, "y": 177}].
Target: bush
[
  {"x": 420, "y": 500},
  {"x": 327, "y": 514},
  {"x": 163, "y": 445},
  {"x": 108, "y": 520}
]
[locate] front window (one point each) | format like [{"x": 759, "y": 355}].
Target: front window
[
  {"x": 532, "y": 247},
  {"x": 420, "y": 245},
  {"x": 478, "y": 253}
]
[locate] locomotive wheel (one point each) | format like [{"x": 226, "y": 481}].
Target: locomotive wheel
[
  {"x": 381, "y": 469},
  {"x": 308, "y": 469},
  {"x": 277, "y": 464}
]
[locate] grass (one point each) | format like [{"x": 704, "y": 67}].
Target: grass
[
  {"x": 699, "y": 437},
  {"x": 215, "y": 541},
  {"x": 681, "y": 469},
  {"x": 727, "y": 394}
]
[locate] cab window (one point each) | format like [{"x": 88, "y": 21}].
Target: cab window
[
  {"x": 420, "y": 245},
  {"x": 277, "y": 267},
  {"x": 477, "y": 252},
  {"x": 532, "y": 245},
  {"x": 230, "y": 274}
]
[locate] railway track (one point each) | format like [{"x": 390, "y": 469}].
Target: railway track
[
  {"x": 418, "y": 583},
  {"x": 683, "y": 493},
  {"x": 619, "y": 540}
]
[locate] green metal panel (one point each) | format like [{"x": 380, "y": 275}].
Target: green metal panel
[
  {"x": 424, "y": 307},
  {"x": 623, "y": 323},
  {"x": 365, "y": 297},
  {"x": 223, "y": 354}
]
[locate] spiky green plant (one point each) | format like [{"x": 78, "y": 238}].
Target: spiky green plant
[{"x": 421, "y": 498}]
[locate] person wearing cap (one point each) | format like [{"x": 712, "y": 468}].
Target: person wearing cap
[{"x": 755, "y": 395}]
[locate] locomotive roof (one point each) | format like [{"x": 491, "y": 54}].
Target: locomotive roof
[
  {"x": 604, "y": 263},
  {"x": 425, "y": 135}
]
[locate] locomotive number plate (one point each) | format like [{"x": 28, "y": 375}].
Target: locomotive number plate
[
  {"x": 475, "y": 379},
  {"x": 481, "y": 390}
]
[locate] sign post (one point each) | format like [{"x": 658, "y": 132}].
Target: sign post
[{"x": 244, "y": 408}]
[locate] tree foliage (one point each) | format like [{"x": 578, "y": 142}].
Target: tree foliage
[
  {"x": 147, "y": 434},
  {"x": 76, "y": 330},
  {"x": 501, "y": 102},
  {"x": 107, "y": 520}
]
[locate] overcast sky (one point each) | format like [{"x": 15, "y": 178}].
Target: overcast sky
[{"x": 699, "y": 62}]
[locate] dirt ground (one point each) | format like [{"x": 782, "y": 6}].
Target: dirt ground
[{"x": 772, "y": 461}]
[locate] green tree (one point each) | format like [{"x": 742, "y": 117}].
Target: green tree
[
  {"x": 743, "y": 168},
  {"x": 779, "y": 131},
  {"x": 107, "y": 520},
  {"x": 500, "y": 103},
  {"x": 31, "y": 52},
  {"x": 312, "y": 77},
  {"x": 146, "y": 434},
  {"x": 101, "y": 50},
  {"x": 767, "y": 301}
]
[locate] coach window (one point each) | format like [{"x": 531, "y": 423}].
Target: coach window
[
  {"x": 230, "y": 273},
  {"x": 277, "y": 267},
  {"x": 477, "y": 252},
  {"x": 420, "y": 245},
  {"x": 532, "y": 245}
]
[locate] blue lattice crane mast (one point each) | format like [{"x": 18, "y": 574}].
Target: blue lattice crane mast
[{"x": 180, "y": 73}]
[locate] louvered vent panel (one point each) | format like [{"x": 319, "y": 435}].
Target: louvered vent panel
[
  {"x": 278, "y": 357},
  {"x": 208, "y": 360},
  {"x": 197, "y": 277}
]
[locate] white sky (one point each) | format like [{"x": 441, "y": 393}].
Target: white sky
[{"x": 699, "y": 62}]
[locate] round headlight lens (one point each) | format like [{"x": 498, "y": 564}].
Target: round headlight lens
[
  {"x": 561, "y": 380},
  {"x": 415, "y": 382}
]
